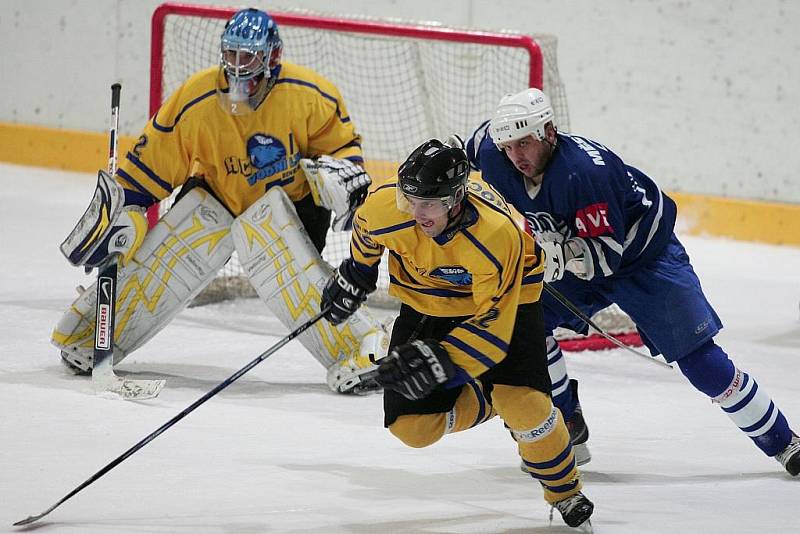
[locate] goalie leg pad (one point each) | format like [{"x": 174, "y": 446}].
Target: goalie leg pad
[
  {"x": 542, "y": 439},
  {"x": 177, "y": 259},
  {"x": 289, "y": 275}
]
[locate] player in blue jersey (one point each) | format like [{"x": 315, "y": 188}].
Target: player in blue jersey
[{"x": 607, "y": 230}]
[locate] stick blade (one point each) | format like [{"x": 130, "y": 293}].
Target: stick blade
[
  {"x": 130, "y": 389},
  {"x": 30, "y": 519},
  {"x": 105, "y": 380}
]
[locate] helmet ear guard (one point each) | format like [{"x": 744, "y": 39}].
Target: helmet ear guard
[{"x": 520, "y": 115}]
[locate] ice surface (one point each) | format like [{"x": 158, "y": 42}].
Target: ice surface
[{"x": 277, "y": 452}]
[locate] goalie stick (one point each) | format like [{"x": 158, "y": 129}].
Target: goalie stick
[
  {"x": 103, "y": 377},
  {"x": 153, "y": 435}
]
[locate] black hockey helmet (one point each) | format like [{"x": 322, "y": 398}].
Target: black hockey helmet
[{"x": 435, "y": 170}]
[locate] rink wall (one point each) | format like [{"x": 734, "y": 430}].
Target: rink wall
[
  {"x": 699, "y": 94},
  {"x": 767, "y": 222}
]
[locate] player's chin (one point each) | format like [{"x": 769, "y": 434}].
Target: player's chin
[{"x": 429, "y": 228}]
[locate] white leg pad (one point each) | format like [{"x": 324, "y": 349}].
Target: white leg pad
[
  {"x": 178, "y": 258},
  {"x": 289, "y": 275}
]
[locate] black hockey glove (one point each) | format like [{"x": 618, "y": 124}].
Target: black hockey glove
[
  {"x": 415, "y": 369},
  {"x": 346, "y": 290}
]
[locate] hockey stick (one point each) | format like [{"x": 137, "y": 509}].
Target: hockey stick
[
  {"x": 103, "y": 377},
  {"x": 586, "y": 319},
  {"x": 222, "y": 385}
]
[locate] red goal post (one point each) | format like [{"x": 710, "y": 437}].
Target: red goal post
[{"x": 434, "y": 33}]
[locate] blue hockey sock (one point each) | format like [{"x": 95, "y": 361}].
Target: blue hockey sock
[
  {"x": 711, "y": 371},
  {"x": 563, "y": 399}
]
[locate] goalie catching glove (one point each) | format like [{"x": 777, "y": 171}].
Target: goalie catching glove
[
  {"x": 415, "y": 369},
  {"x": 106, "y": 228},
  {"x": 339, "y": 185},
  {"x": 345, "y": 291}
]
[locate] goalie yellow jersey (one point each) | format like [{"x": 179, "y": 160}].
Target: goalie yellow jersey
[
  {"x": 485, "y": 267},
  {"x": 242, "y": 156}
]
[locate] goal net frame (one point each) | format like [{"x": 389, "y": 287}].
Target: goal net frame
[{"x": 231, "y": 285}]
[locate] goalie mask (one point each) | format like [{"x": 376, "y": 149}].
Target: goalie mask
[
  {"x": 433, "y": 180},
  {"x": 250, "y": 54},
  {"x": 521, "y": 115}
]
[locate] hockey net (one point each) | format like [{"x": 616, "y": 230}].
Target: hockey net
[{"x": 403, "y": 82}]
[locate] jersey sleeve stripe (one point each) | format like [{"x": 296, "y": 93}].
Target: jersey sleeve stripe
[
  {"x": 395, "y": 227},
  {"x": 149, "y": 172},
  {"x": 384, "y": 186},
  {"x": 167, "y": 129},
  {"x": 136, "y": 185},
  {"x": 601, "y": 257},
  {"x": 470, "y": 351},
  {"x": 351, "y": 144},
  {"x": 356, "y": 245},
  {"x": 483, "y": 334},
  {"x": 317, "y": 89},
  {"x": 532, "y": 279},
  {"x": 364, "y": 248},
  {"x": 136, "y": 198},
  {"x": 656, "y": 220},
  {"x": 611, "y": 243}
]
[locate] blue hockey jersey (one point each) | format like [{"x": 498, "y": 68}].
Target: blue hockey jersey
[{"x": 617, "y": 213}]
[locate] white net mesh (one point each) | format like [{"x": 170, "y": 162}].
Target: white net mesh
[{"x": 399, "y": 90}]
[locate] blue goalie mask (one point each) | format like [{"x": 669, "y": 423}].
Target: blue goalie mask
[{"x": 250, "y": 54}]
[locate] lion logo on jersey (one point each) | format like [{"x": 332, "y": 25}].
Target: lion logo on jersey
[{"x": 267, "y": 155}]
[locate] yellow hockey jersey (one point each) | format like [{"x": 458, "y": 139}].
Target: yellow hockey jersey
[
  {"x": 240, "y": 156},
  {"x": 484, "y": 268}
]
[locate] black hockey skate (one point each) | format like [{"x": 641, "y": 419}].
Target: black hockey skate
[
  {"x": 575, "y": 510},
  {"x": 578, "y": 431},
  {"x": 790, "y": 456}
]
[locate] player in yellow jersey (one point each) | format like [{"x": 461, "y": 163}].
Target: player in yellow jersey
[
  {"x": 247, "y": 141},
  {"x": 469, "y": 341}
]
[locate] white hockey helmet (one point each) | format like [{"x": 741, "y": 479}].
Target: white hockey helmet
[{"x": 520, "y": 115}]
